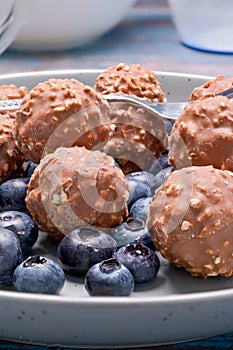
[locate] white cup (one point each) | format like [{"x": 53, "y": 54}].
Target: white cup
[{"x": 204, "y": 24}]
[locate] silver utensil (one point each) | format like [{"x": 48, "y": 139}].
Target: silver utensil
[{"x": 169, "y": 111}]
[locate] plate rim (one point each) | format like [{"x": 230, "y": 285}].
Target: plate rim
[{"x": 91, "y": 71}]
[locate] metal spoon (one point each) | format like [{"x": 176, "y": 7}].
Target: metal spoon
[{"x": 169, "y": 111}]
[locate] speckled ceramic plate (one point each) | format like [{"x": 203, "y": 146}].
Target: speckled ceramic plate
[{"x": 175, "y": 308}]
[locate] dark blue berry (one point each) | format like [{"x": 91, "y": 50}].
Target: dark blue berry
[
  {"x": 137, "y": 189},
  {"x": 29, "y": 168},
  {"x": 131, "y": 231},
  {"x": 162, "y": 176},
  {"x": 109, "y": 278},
  {"x": 10, "y": 255},
  {"x": 140, "y": 208},
  {"x": 143, "y": 176},
  {"x": 141, "y": 261},
  {"x": 13, "y": 193},
  {"x": 159, "y": 164},
  {"x": 38, "y": 274},
  {"x": 84, "y": 247},
  {"x": 21, "y": 224}
]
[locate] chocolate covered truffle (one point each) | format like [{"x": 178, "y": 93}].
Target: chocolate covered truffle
[
  {"x": 12, "y": 92},
  {"x": 131, "y": 79},
  {"x": 191, "y": 220},
  {"x": 137, "y": 139},
  {"x": 11, "y": 159},
  {"x": 211, "y": 87},
  {"x": 137, "y": 136},
  {"x": 203, "y": 134},
  {"x": 74, "y": 186},
  {"x": 60, "y": 112}
]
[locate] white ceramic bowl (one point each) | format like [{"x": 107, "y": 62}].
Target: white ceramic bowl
[
  {"x": 64, "y": 24},
  {"x": 204, "y": 24}
]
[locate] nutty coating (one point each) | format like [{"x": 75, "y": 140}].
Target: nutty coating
[
  {"x": 60, "y": 112},
  {"x": 131, "y": 79},
  {"x": 11, "y": 92},
  {"x": 137, "y": 137},
  {"x": 191, "y": 220},
  {"x": 203, "y": 134},
  {"x": 211, "y": 87},
  {"x": 74, "y": 186},
  {"x": 11, "y": 159}
]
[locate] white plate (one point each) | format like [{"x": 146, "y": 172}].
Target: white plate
[{"x": 175, "y": 308}]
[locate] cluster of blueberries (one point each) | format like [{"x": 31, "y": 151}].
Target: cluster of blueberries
[{"x": 112, "y": 262}]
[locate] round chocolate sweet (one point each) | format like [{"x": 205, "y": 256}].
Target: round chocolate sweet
[
  {"x": 211, "y": 87},
  {"x": 12, "y": 92},
  {"x": 203, "y": 134},
  {"x": 131, "y": 79},
  {"x": 137, "y": 139},
  {"x": 74, "y": 186},
  {"x": 191, "y": 220},
  {"x": 60, "y": 112},
  {"x": 11, "y": 159},
  {"x": 137, "y": 136}
]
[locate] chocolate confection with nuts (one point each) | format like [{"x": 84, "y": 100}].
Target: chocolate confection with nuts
[
  {"x": 74, "y": 186},
  {"x": 137, "y": 137},
  {"x": 60, "y": 112},
  {"x": 131, "y": 79},
  {"x": 211, "y": 87},
  {"x": 203, "y": 134},
  {"x": 11, "y": 159},
  {"x": 191, "y": 220}
]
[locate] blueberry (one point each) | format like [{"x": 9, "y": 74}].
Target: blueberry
[
  {"x": 38, "y": 274},
  {"x": 143, "y": 176},
  {"x": 84, "y": 247},
  {"x": 131, "y": 231},
  {"x": 159, "y": 164},
  {"x": 140, "y": 208},
  {"x": 162, "y": 176},
  {"x": 13, "y": 193},
  {"x": 109, "y": 278},
  {"x": 137, "y": 189},
  {"x": 21, "y": 224},
  {"x": 29, "y": 168},
  {"x": 141, "y": 261},
  {"x": 10, "y": 255}
]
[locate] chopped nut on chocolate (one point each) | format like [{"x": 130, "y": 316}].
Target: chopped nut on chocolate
[{"x": 194, "y": 229}]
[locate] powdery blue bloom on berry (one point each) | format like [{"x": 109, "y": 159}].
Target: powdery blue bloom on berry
[
  {"x": 10, "y": 255},
  {"x": 141, "y": 261},
  {"x": 84, "y": 247},
  {"x": 38, "y": 274},
  {"x": 109, "y": 278},
  {"x": 22, "y": 225}
]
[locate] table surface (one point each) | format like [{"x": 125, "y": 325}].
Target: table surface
[{"x": 147, "y": 36}]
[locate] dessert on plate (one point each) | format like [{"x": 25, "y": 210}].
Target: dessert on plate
[
  {"x": 73, "y": 187},
  {"x": 191, "y": 220}
]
